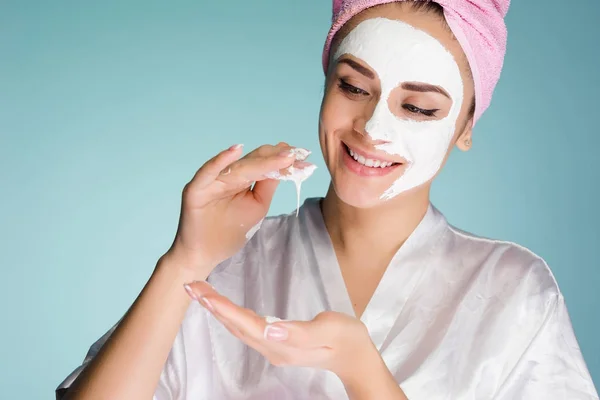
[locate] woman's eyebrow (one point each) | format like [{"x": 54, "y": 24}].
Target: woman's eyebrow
[
  {"x": 424, "y": 87},
  {"x": 358, "y": 68}
]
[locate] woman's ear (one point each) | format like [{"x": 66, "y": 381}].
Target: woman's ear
[{"x": 465, "y": 139}]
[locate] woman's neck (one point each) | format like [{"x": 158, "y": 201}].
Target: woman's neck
[{"x": 379, "y": 231}]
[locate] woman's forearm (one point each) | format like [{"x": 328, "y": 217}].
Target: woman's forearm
[{"x": 129, "y": 364}]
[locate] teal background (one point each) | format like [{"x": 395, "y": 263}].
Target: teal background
[{"x": 107, "y": 108}]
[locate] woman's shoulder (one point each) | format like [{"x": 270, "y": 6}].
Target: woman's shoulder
[{"x": 508, "y": 265}]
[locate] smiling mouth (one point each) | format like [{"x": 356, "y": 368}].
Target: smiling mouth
[{"x": 369, "y": 162}]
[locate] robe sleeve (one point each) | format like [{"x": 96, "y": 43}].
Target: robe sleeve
[
  {"x": 552, "y": 366},
  {"x": 169, "y": 378}
]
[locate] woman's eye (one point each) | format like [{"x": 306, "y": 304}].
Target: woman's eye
[
  {"x": 348, "y": 88},
  {"x": 416, "y": 110}
]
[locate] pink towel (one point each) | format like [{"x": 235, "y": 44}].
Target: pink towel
[{"x": 478, "y": 26}]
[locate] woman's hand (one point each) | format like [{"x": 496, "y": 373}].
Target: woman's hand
[
  {"x": 219, "y": 205},
  {"x": 332, "y": 341}
]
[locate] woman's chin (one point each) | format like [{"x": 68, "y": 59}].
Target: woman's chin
[{"x": 359, "y": 197}]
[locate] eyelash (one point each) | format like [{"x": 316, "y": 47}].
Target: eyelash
[
  {"x": 416, "y": 110},
  {"x": 351, "y": 89},
  {"x": 355, "y": 91}
]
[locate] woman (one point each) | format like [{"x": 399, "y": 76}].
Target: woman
[{"x": 382, "y": 299}]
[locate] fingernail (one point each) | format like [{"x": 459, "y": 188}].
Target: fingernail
[
  {"x": 226, "y": 171},
  {"x": 204, "y": 301},
  {"x": 276, "y": 333},
  {"x": 302, "y": 164},
  {"x": 287, "y": 153},
  {"x": 190, "y": 292},
  {"x": 236, "y": 146}
]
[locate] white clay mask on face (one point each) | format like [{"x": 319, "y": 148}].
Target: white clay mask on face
[
  {"x": 400, "y": 53},
  {"x": 297, "y": 175}
]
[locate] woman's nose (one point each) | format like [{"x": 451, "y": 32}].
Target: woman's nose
[{"x": 359, "y": 125}]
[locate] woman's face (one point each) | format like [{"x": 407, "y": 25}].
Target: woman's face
[{"x": 394, "y": 104}]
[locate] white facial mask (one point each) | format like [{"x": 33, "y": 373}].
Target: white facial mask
[{"x": 399, "y": 53}]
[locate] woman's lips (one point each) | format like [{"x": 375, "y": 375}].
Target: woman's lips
[{"x": 356, "y": 161}]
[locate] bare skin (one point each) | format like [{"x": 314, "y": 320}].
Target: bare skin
[{"x": 220, "y": 203}]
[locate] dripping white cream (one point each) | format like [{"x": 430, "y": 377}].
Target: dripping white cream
[{"x": 297, "y": 175}]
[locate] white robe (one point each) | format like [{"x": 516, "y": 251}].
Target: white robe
[{"x": 454, "y": 317}]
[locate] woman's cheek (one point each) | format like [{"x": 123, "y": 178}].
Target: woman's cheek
[
  {"x": 330, "y": 112},
  {"x": 340, "y": 110}
]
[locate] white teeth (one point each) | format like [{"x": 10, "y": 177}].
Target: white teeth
[{"x": 369, "y": 162}]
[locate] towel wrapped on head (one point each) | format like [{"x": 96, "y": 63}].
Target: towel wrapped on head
[{"x": 478, "y": 25}]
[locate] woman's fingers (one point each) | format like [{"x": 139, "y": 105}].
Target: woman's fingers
[
  {"x": 240, "y": 321},
  {"x": 255, "y": 167},
  {"x": 302, "y": 347},
  {"x": 321, "y": 332},
  {"x": 204, "y": 293},
  {"x": 231, "y": 174},
  {"x": 220, "y": 164},
  {"x": 244, "y": 320},
  {"x": 264, "y": 190},
  {"x": 213, "y": 167}
]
